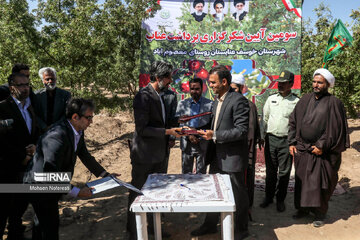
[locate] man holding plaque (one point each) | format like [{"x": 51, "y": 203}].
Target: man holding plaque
[
  {"x": 192, "y": 146},
  {"x": 150, "y": 142},
  {"x": 228, "y": 152}
]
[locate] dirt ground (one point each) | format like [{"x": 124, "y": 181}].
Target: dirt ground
[{"x": 104, "y": 216}]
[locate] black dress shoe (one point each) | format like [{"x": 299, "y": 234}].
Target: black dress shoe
[
  {"x": 203, "y": 230},
  {"x": 318, "y": 224},
  {"x": 280, "y": 206},
  {"x": 266, "y": 203},
  {"x": 319, "y": 220},
  {"x": 300, "y": 214}
]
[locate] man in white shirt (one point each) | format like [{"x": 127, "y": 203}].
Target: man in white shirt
[
  {"x": 17, "y": 146},
  {"x": 57, "y": 151}
]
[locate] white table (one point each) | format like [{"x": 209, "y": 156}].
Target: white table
[{"x": 156, "y": 186}]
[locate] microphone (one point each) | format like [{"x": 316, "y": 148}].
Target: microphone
[{"x": 6, "y": 122}]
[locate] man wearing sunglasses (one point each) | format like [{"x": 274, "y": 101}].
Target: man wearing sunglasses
[
  {"x": 51, "y": 100},
  {"x": 56, "y": 152}
]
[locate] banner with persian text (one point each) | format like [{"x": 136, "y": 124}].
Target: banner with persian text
[{"x": 255, "y": 38}]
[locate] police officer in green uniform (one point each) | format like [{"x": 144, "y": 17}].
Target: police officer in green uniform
[{"x": 276, "y": 112}]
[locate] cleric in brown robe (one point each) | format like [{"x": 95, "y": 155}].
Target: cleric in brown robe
[
  {"x": 238, "y": 84},
  {"x": 317, "y": 137}
]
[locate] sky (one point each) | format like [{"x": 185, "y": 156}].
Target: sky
[{"x": 340, "y": 9}]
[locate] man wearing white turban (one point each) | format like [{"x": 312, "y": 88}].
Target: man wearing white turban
[{"x": 317, "y": 137}]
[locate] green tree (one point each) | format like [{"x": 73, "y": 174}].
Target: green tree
[
  {"x": 344, "y": 66},
  {"x": 17, "y": 27},
  {"x": 94, "y": 47}
]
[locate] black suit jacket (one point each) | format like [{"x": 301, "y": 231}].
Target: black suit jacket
[
  {"x": 14, "y": 139},
  {"x": 40, "y": 105},
  {"x": 231, "y": 148},
  {"x": 56, "y": 151},
  {"x": 4, "y": 92},
  {"x": 149, "y": 141},
  {"x": 170, "y": 103}
]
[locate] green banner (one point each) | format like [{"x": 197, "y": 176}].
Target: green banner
[{"x": 340, "y": 39}]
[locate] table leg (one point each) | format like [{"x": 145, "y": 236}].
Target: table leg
[
  {"x": 227, "y": 225},
  {"x": 141, "y": 226},
  {"x": 157, "y": 225}
]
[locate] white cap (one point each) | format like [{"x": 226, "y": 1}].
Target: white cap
[
  {"x": 238, "y": 79},
  {"x": 327, "y": 75}
]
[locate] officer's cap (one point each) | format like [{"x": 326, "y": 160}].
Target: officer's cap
[{"x": 285, "y": 76}]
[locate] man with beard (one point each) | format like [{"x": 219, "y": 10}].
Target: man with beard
[
  {"x": 198, "y": 14},
  {"x": 50, "y": 102},
  {"x": 240, "y": 12},
  {"x": 317, "y": 137},
  {"x": 276, "y": 112},
  {"x": 219, "y": 7},
  {"x": 150, "y": 143},
  {"x": 254, "y": 137},
  {"x": 192, "y": 146},
  {"x": 17, "y": 144},
  {"x": 228, "y": 149}
]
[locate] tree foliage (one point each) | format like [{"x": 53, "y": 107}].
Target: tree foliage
[
  {"x": 94, "y": 47},
  {"x": 345, "y": 66}
]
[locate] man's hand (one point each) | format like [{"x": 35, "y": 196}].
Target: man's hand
[
  {"x": 193, "y": 139},
  {"x": 26, "y": 160},
  {"x": 30, "y": 149},
  {"x": 85, "y": 192},
  {"x": 292, "y": 150},
  {"x": 316, "y": 151},
  {"x": 206, "y": 134},
  {"x": 176, "y": 132},
  {"x": 171, "y": 143}
]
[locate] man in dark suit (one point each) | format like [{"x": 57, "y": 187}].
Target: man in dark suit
[
  {"x": 51, "y": 100},
  {"x": 149, "y": 144},
  {"x": 229, "y": 153},
  {"x": 170, "y": 103},
  {"x": 17, "y": 143},
  {"x": 56, "y": 152}
]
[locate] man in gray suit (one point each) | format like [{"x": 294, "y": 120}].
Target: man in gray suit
[
  {"x": 51, "y": 100},
  {"x": 149, "y": 144},
  {"x": 192, "y": 146},
  {"x": 229, "y": 151},
  {"x": 56, "y": 152}
]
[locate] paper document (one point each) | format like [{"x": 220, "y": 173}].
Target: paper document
[{"x": 110, "y": 182}]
